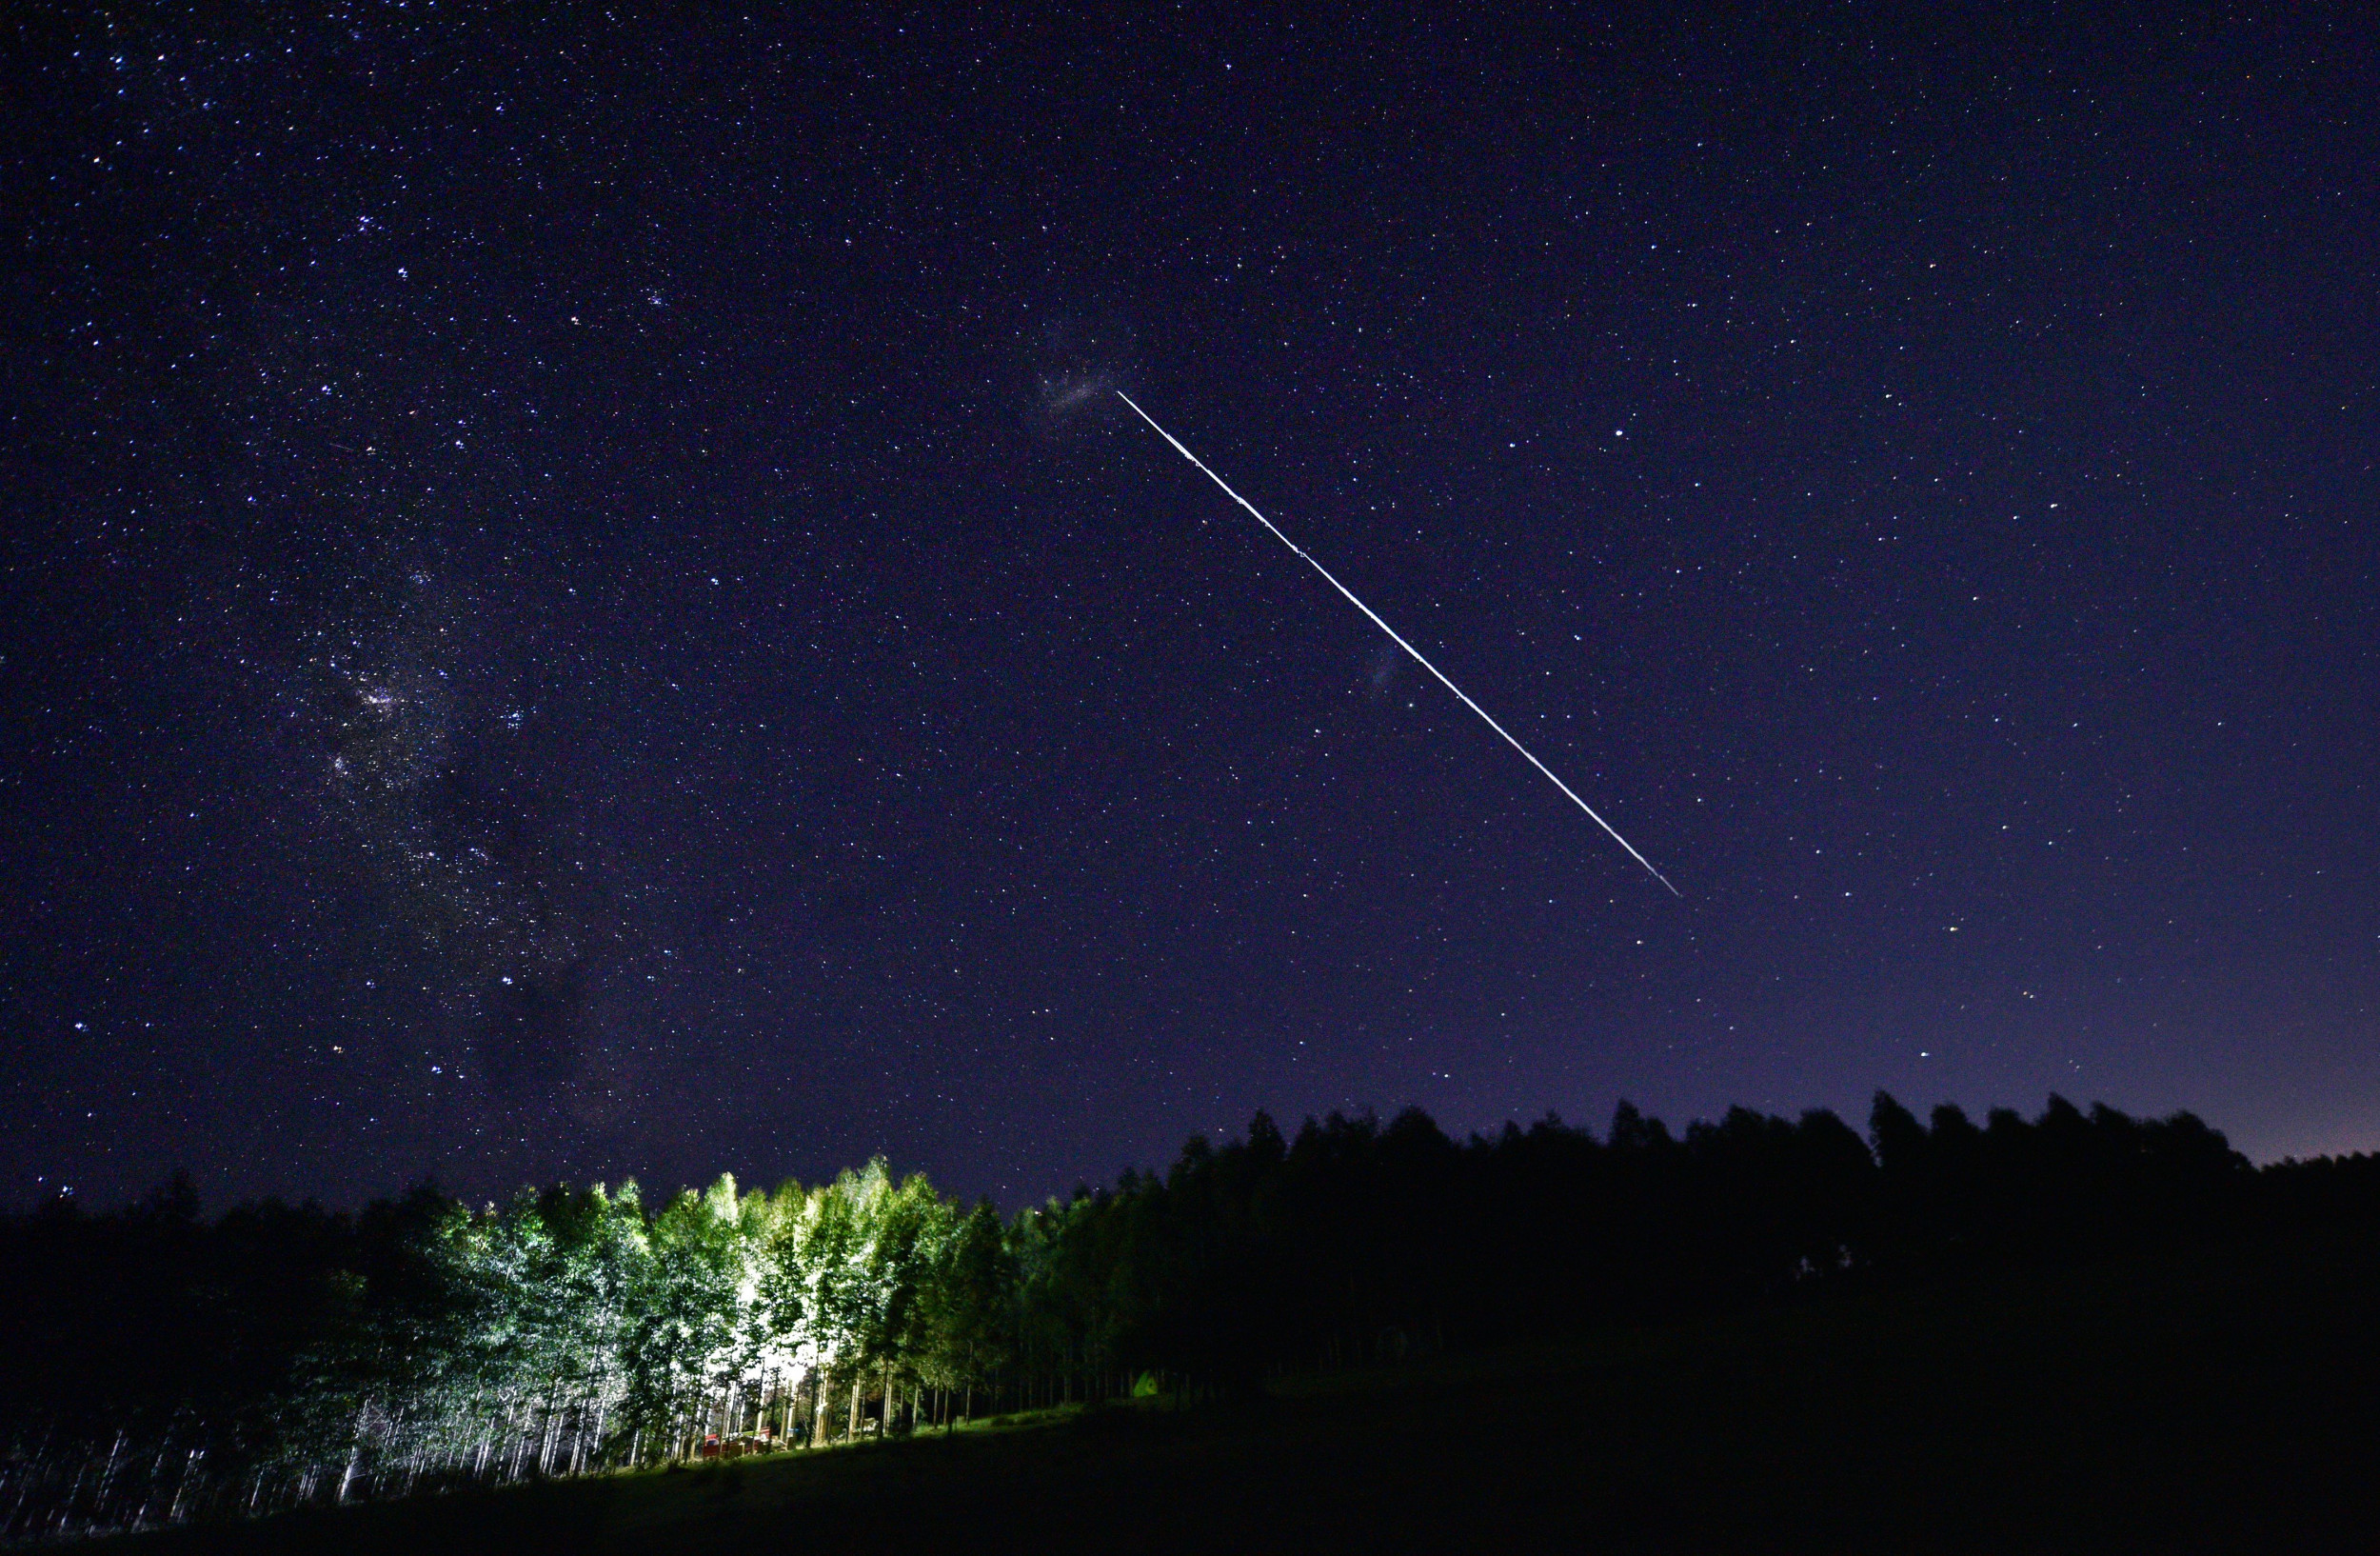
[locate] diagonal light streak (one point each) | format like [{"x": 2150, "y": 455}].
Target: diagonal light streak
[{"x": 1394, "y": 637}]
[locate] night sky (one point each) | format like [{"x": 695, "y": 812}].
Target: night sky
[{"x": 576, "y": 605}]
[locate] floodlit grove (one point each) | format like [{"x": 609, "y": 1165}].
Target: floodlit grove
[{"x": 161, "y": 1366}]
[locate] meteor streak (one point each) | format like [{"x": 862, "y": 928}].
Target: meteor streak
[{"x": 1449, "y": 685}]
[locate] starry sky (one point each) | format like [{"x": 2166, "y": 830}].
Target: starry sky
[{"x": 576, "y": 603}]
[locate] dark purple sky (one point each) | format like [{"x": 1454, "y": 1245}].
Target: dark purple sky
[{"x": 557, "y": 622}]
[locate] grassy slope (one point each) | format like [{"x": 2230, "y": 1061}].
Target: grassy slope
[{"x": 2231, "y": 1406}]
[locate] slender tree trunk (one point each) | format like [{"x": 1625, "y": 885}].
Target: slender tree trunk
[
  {"x": 602, "y": 1416},
  {"x": 34, "y": 1474},
  {"x": 156, "y": 1473},
  {"x": 347, "y": 1476},
  {"x": 516, "y": 1426},
  {"x": 107, "y": 1479},
  {"x": 189, "y": 1464},
  {"x": 63, "y": 1525}
]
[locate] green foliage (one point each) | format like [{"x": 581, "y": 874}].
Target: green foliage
[{"x": 283, "y": 1356}]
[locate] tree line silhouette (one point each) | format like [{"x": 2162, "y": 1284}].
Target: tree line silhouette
[{"x": 156, "y": 1367}]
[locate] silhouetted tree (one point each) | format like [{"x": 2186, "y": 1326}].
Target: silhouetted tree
[{"x": 156, "y": 1366}]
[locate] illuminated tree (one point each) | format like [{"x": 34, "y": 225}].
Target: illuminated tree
[{"x": 686, "y": 1311}]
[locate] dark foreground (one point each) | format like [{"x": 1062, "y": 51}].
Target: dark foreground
[{"x": 2231, "y": 1406}]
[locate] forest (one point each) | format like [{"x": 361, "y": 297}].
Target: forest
[{"x": 157, "y": 1367}]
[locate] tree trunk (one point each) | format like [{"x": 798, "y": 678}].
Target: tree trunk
[
  {"x": 603, "y": 1414},
  {"x": 356, "y": 1450},
  {"x": 189, "y": 1463},
  {"x": 519, "y": 1433},
  {"x": 107, "y": 1479}
]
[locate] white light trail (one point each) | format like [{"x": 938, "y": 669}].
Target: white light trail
[{"x": 1398, "y": 640}]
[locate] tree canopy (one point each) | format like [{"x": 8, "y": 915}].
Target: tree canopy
[{"x": 156, "y": 1367}]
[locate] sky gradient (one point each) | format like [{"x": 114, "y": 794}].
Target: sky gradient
[{"x": 576, "y": 605}]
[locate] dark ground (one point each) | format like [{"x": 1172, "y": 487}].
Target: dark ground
[{"x": 2233, "y": 1405}]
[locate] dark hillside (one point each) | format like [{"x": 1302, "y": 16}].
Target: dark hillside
[
  {"x": 2076, "y": 1314},
  {"x": 2223, "y": 1402}
]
